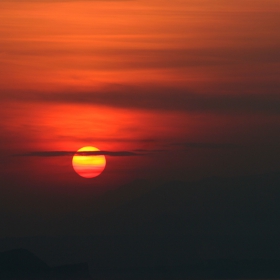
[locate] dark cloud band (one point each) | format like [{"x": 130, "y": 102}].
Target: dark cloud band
[
  {"x": 157, "y": 98},
  {"x": 84, "y": 153}
]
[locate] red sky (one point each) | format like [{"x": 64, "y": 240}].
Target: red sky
[{"x": 192, "y": 86}]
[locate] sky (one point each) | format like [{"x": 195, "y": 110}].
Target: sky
[{"x": 172, "y": 90}]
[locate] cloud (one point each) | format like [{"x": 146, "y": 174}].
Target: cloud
[
  {"x": 150, "y": 97},
  {"x": 135, "y": 152},
  {"x": 84, "y": 153},
  {"x": 117, "y": 57},
  {"x": 209, "y": 145}
]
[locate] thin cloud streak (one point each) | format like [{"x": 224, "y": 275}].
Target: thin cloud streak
[
  {"x": 84, "y": 153},
  {"x": 137, "y": 58},
  {"x": 136, "y": 152},
  {"x": 210, "y": 145}
]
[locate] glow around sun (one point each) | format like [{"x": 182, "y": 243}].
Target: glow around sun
[{"x": 88, "y": 166}]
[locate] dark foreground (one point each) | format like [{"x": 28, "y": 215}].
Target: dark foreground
[
  {"x": 22, "y": 264},
  {"x": 217, "y": 228}
]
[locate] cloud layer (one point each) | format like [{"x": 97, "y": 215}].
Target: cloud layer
[
  {"x": 84, "y": 153},
  {"x": 157, "y": 98}
]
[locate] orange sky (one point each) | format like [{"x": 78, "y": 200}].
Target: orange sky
[
  {"x": 152, "y": 75},
  {"x": 53, "y": 45}
]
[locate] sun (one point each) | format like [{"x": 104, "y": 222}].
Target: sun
[{"x": 88, "y": 166}]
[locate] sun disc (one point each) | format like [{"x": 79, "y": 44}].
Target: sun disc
[{"x": 88, "y": 166}]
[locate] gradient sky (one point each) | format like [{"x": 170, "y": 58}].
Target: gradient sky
[{"x": 190, "y": 88}]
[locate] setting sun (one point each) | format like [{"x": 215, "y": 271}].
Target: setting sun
[{"x": 88, "y": 166}]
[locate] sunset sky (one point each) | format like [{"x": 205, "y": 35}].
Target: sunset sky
[{"x": 171, "y": 90}]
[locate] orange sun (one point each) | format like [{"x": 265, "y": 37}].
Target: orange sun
[{"x": 88, "y": 166}]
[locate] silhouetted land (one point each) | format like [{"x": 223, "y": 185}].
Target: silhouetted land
[
  {"x": 215, "y": 228},
  {"x": 210, "y": 269},
  {"x": 22, "y": 264}
]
